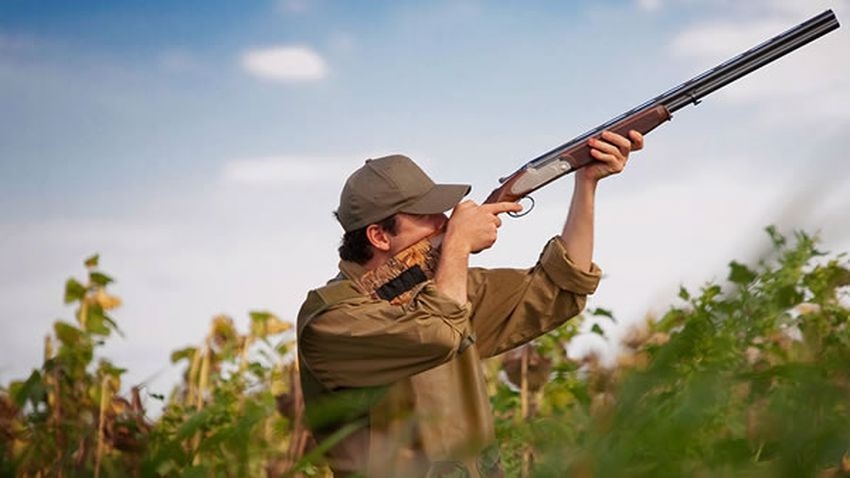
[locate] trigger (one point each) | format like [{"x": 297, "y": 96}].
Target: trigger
[{"x": 525, "y": 209}]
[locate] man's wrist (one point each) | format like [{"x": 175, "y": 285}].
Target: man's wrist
[
  {"x": 586, "y": 183},
  {"x": 455, "y": 248},
  {"x": 450, "y": 277}
]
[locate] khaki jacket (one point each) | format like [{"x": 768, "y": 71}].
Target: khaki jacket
[{"x": 407, "y": 378}]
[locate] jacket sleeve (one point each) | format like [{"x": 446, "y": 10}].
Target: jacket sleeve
[
  {"x": 365, "y": 342},
  {"x": 512, "y": 306}
]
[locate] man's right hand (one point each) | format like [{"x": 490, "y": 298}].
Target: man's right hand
[{"x": 473, "y": 227}]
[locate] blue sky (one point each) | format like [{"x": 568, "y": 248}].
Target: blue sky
[{"x": 199, "y": 147}]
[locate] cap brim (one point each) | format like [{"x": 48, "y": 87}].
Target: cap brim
[{"x": 440, "y": 198}]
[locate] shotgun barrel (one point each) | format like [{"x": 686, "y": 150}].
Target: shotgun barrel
[{"x": 575, "y": 153}]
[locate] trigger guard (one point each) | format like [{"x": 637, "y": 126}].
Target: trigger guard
[{"x": 525, "y": 210}]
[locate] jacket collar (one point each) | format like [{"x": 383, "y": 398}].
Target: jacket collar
[{"x": 351, "y": 270}]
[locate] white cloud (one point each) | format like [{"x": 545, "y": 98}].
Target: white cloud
[
  {"x": 787, "y": 8},
  {"x": 282, "y": 170},
  {"x": 304, "y": 169},
  {"x": 649, "y": 5},
  {"x": 723, "y": 39},
  {"x": 285, "y": 64},
  {"x": 796, "y": 8},
  {"x": 810, "y": 81}
]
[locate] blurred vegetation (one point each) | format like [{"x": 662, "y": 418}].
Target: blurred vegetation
[
  {"x": 68, "y": 418},
  {"x": 749, "y": 377},
  {"x": 746, "y": 378}
]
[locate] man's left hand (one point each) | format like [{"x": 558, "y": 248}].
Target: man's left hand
[{"x": 611, "y": 153}]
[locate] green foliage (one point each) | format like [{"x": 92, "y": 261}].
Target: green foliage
[
  {"x": 222, "y": 420},
  {"x": 55, "y": 418},
  {"x": 746, "y": 378},
  {"x": 67, "y": 418}
]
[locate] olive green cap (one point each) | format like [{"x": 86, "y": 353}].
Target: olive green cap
[{"x": 391, "y": 184}]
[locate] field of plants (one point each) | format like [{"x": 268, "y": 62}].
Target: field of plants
[{"x": 749, "y": 377}]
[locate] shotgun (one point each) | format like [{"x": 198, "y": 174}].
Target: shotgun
[
  {"x": 395, "y": 280},
  {"x": 575, "y": 153}
]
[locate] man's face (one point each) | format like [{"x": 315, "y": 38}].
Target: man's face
[{"x": 412, "y": 228}]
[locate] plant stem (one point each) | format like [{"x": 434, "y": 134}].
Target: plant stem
[{"x": 101, "y": 422}]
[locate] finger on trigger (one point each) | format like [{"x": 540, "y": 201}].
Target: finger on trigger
[{"x": 506, "y": 206}]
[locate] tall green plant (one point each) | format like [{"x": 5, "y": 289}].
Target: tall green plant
[{"x": 61, "y": 420}]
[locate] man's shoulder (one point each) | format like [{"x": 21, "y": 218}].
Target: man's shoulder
[
  {"x": 337, "y": 290},
  {"x": 318, "y": 300}
]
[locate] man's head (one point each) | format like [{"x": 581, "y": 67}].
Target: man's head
[{"x": 384, "y": 187}]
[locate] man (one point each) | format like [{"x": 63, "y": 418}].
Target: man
[{"x": 399, "y": 389}]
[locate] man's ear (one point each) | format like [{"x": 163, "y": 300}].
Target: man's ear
[{"x": 378, "y": 237}]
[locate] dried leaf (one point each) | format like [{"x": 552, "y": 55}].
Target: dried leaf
[
  {"x": 107, "y": 301},
  {"x": 264, "y": 324},
  {"x": 223, "y": 332}
]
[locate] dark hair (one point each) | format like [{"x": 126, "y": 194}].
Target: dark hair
[{"x": 355, "y": 246}]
